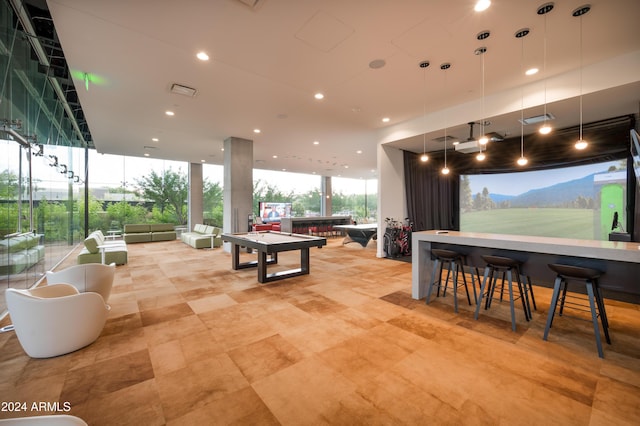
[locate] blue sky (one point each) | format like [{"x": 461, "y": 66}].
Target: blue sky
[{"x": 519, "y": 183}]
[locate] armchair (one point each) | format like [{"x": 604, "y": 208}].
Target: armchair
[
  {"x": 55, "y": 319},
  {"x": 94, "y": 277}
]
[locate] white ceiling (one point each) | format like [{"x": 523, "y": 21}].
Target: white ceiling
[{"x": 268, "y": 61}]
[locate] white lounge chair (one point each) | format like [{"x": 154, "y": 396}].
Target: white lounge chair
[
  {"x": 94, "y": 277},
  {"x": 55, "y": 319}
]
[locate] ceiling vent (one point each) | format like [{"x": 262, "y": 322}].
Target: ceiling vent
[
  {"x": 538, "y": 118},
  {"x": 253, "y": 4},
  {"x": 179, "y": 89},
  {"x": 441, "y": 139}
]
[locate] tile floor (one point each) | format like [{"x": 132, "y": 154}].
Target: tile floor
[{"x": 190, "y": 341}]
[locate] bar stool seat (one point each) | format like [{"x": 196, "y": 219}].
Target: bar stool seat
[
  {"x": 454, "y": 262},
  {"x": 590, "y": 276},
  {"x": 506, "y": 266}
]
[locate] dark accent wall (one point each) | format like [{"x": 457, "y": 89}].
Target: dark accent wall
[{"x": 433, "y": 199}]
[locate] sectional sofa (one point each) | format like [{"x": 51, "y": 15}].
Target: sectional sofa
[
  {"x": 202, "y": 235},
  {"x": 148, "y": 232},
  {"x": 20, "y": 252}
]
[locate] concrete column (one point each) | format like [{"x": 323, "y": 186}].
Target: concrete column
[
  {"x": 238, "y": 185},
  {"x": 195, "y": 200},
  {"x": 391, "y": 195},
  {"x": 326, "y": 207}
]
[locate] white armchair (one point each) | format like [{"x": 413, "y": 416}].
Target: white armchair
[
  {"x": 50, "y": 420},
  {"x": 55, "y": 319},
  {"x": 94, "y": 277}
]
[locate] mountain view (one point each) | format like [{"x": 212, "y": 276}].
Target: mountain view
[{"x": 551, "y": 196}]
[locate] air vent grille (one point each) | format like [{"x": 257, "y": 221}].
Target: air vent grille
[
  {"x": 538, "y": 118},
  {"x": 253, "y": 4},
  {"x": 179, "y": 89}
]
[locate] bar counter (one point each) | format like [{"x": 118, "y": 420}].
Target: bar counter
[{"x": 620, "y": 261}]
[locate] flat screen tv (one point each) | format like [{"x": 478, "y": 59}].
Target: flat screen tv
[{"x": 273, "y": 211}]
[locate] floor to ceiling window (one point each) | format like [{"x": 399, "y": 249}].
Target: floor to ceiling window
[{"x": 41, "y": 161}]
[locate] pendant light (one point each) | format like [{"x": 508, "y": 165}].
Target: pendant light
[
  {"x": 543, "y": 10},
  {"x": 483, "y": 139},
  {"x": 579, "y": 12},
  {"x": 424, "y": 157},
  {"x": 521, "y": 34},
  {"x": 445, "y": 170}
]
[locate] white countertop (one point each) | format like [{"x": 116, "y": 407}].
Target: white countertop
[{"x": 610, "y": 250}]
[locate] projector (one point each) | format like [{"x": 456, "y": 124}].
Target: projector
[{"x": 468, "y": 147}]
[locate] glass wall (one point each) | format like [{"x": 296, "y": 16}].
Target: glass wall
[
  {"x": 126, "y": 190},
  {"x": 357, "y": 198},
  {"x": 41, "y": 164}
]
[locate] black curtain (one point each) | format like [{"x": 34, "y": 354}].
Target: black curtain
[{"x": 433, "y": 198}]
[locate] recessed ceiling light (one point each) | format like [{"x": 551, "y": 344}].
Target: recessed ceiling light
[
  {"x": 482, "y": 5},
  {"x": 532, "y": 71},
  {"x": 318, "y": 96},
  {"x": 346, "y": 166},
  {"x": 146, "y": 154},
  {"x": 284, "y": 170},
  {"x": 274, "y": 156},
  {"x": 386, "y": 119},
  {"x": 155, "y": 139},
  {"x": 202, "y": 56},
  {"x": 170, "y": 113},
  {"x": 359, "y": 151},
  {"x": 203, "y": 161},
  {"x": 316, "y": 143},
  {"x": 256, "y": 130},
  {"x": 483, "y": 34}
]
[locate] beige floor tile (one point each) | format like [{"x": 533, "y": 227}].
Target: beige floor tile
[{"x": 190, "y": 341}]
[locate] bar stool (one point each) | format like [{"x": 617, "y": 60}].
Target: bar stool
[
  {"x": 594, "y": 296},
  {"x": 454, "y": 262},
  {"x": 506, "y": 266}
]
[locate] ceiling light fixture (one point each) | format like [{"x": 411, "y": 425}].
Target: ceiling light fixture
[
  {"x": 483, "y": 139},
  {"x": 482, "y": 5},
  {"x": 318, "y": 96},
  {"x": 424, "y": 65},
  {"x": 579, "y": 12},
  {"x": 170, "y": 113},
  {"x": 521, "y": 34},
  {"x": 445, "y": 169},
  {"x": 256, "y": 130},
  {"x": 544, "y": 10},
  {"x": 531, "y": 71},
  {"x": 386, "y": 119},
  {"x": 202, "y": 56}
]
